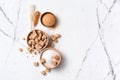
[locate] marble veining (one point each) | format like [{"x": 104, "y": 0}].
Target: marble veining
[{"x": 93, "y": 55}]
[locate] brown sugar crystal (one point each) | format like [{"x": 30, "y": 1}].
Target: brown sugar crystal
[
  {"x": 43, "y": 61},
  {"x": 30, "y": 49},
  {"x": 20, "y": 49},
  {"x": 48, "y": 69},
  {"x": 57, "y": 35},
  {"x": 52, "y": 37},
  {"x": 36, "y": 64},
  {"x": 54, "y": 63},
  {"x": 57, "y": 57},
  {"x": 43, "y": 72}
]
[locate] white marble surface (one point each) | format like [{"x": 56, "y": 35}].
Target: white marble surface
[{"x": 90, "y": 42}]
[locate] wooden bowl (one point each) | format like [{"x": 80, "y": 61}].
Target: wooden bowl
[
  {"x": 42, "y": 32},
  {"x": 51, "y": 19}
]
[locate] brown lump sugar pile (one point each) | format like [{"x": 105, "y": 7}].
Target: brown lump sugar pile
[{"x": 37, "y": 40}]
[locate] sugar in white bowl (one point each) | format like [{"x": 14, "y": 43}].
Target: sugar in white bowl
[{"x": 49, "y": 55}]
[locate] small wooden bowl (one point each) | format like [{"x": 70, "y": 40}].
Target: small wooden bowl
[
  {"x": 58, "y": 53},
  {"x": 42, "y": 32},
  {"x": 53, "y": 17}
]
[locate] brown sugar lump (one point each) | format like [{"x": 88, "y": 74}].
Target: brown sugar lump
[
  {"x": 37, "y": 40},
  {"x": 54, "y": 63},
  {"x": 49, "y": 55},
  {"x": 57, "y": 57},
  {"x": 43, "y": 72},
  {"x": 20, "y": 49},
  {"x": 38, "y": 47},
  {"x": 30, "y": 49},
  {"x": 47, "y": 69},
  {"x": 48, "y": 19},
  {"x": 36, "y": 64},
  {"x": 55, "y": 37},
  {"x": 42, "y": 60}
]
